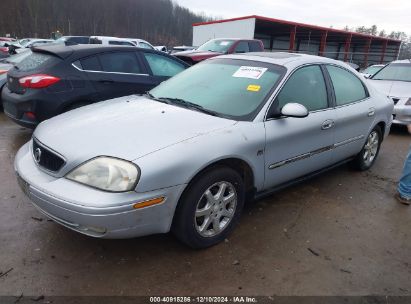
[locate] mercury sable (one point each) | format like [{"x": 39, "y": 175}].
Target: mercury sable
[{"x": 186, "y": 156}]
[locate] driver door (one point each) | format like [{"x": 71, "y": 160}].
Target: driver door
[{"x": 299, "y": 146}]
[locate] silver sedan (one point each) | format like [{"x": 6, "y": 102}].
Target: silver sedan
[
  {"x": 186, "y": 156},
  {"x": 394, "y": 80}
]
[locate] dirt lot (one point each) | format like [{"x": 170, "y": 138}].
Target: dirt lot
[{"x": 341, "y": 233}]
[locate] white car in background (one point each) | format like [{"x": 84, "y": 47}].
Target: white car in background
[
  {"x": 106, "y": 40},
  {"x": 394, "y": 80},
  {"x": 372, "y": 70},
  {"x": 141, "y": 43}
]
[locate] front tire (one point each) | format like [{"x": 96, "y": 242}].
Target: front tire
[
  {"x": 366, "y": 158},
  {"x": 210, "y": 208}
]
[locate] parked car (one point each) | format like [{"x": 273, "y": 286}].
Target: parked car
[
  {"x": 21, "y": 44},
  {"x": 72, "y": 40},
  {"x": 58, "y": 78},
  {"x": 6, "y": 64},
  {"x": 104, "y": 40},
  {"x": 140, "y": 43},
  {"x": 394, "y": 80},
  {"x": 216, "y": 47},
  {"x": 4, "y": 49},
  {"x": 162, "y": 48},
  {"x": 185, "y": 156},
  {"x": 371, "y": 70},
  {"x": 182, "y": 48}
]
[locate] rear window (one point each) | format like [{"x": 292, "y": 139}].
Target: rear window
[
  {"x": 120, "y": 62},
  {"x": 34, "y": 61},
  {"x": 91, "y": 64}
]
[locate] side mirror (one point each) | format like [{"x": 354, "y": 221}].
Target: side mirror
[{"x": 294, "y": 110}]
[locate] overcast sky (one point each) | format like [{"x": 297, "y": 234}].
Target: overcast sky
[{"x": 393, "y": 15}]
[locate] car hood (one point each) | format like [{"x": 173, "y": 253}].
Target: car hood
[
  {"x": 393, "y": 88},
  {"x": 127, "y": 127}
]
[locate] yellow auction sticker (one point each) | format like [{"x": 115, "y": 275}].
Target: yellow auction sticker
[{"x": 253, "y": 88}]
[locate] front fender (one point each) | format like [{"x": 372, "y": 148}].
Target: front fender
[{"x": 179, "y": 163}]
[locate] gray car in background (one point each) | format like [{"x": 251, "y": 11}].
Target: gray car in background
[{"x": 187, "y": 155}]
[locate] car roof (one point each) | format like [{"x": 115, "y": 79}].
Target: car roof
[
  {"x": 84, "y": 50},
  {"x": 285, "y": 59},
  {"x": 402, "y": 61}
]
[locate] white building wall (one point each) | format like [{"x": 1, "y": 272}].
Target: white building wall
[{"x": 232, "y": 29}]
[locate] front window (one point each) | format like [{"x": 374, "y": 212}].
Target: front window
[
  {"x": 217, "y": 45},
  {"x": 231, "y": 88},
  {"x": 395, "y": 71}
]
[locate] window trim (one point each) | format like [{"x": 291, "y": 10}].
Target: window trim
[
  {"x": 336, "y": 106},
  {"x": 279, "y": 89}
]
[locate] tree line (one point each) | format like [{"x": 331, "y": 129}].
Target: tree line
[
  {"x": 161, "y": 22},
  {"x": 405, "y": 50}
]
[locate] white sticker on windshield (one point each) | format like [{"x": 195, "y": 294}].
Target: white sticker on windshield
[
  {"x": 250, "y": 72},
  {"x": 224, "y": 42}
]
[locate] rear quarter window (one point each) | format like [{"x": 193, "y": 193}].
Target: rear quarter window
[{"x": 35, "y": 61}]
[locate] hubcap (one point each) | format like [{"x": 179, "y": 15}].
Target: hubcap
[
  {"x": 215, "y": 209},
  {"x": 371, "y": 148}
]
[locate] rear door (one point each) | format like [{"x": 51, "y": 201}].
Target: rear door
[
  {"x": 116, "y": 74},
  {"x": 354, "y": 112},
  {"x": 161, "y": 67}
]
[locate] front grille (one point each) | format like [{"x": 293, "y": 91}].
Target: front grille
[{"x": 46, "y": 158}]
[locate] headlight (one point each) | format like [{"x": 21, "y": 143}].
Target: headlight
[{"x": 106, "y": 173}]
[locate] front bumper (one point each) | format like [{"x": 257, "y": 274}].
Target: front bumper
[
  {"x": 93, "y": 212},
  {"x": 402, "y": 115}
]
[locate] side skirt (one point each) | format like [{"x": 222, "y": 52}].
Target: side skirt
[{"x": 268, "y": 192}]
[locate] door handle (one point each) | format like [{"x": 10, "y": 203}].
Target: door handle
[
  {"x": 371, "y": 112},
  {"x": 328, "y": 124}
]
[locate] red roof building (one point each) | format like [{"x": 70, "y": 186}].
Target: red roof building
[{"x": 288, "y": 36}]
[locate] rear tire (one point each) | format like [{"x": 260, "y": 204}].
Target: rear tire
[
  {"x": 366, "y": 158},
  {"x": 210, "y": 208}
]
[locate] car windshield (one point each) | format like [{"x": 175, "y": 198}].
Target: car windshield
[
  {"x": 395, "y": 71},
  {"x": 217, "y": 45},
  {"x": 372, "y": 69},
  {"x": 231, "y": 88}
]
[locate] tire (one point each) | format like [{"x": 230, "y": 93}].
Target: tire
[
  {"x": 201, "y": 210},
  {"x": 366, "y": 158}
]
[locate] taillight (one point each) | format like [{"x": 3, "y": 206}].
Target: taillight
[
  {"x": 38, "y": 81},
  {"x": 3, "y": 72},
  {"x": 4, "y": 49}
]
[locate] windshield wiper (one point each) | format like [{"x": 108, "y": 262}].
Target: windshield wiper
[
  {"x": 188, "y": 104},
  {"x": 151, "y": 96}
]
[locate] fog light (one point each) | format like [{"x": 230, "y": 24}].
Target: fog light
[{"x": 154, "y": 201}]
